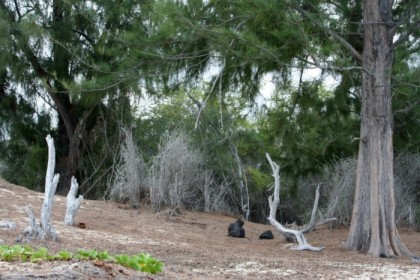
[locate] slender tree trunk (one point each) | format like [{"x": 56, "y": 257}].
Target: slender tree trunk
[{"x": 373, "y": 227}]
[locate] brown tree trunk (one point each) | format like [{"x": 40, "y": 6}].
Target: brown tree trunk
[
  {"x": 373, "y": 227},
  {"x": 69, "y": 123}
]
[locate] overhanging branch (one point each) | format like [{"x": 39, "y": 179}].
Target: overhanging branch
[{"x": 333, "y": 34}]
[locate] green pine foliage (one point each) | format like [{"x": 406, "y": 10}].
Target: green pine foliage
[
  {"x": 309, "y": 130},
  {"x": 94, "y": 60}
]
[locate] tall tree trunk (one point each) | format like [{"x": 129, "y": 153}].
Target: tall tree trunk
[
  {"x": 373, "y": 227},
  {"x": 69, "y": 118}
]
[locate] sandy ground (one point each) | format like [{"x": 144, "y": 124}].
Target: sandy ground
[{"x": 192, "y": 245}]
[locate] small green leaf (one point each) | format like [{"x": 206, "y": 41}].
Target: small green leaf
[
  {"x": 134, "y": 264},
  {"x": 122, "y": 260},
  {"x": 63, "y": 255},
  {"x": 82, "y": 254},
  {"x": 104, "y": 255},
  {"x": 40, "y": 255}
]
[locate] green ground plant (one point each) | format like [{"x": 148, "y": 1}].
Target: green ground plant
[{"x": 141, "y": 262}]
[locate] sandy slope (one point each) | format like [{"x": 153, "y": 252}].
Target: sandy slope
[{"x": 192, "y": 246}]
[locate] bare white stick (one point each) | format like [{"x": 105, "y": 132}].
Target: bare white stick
[
  {"x": 7, "y": 224},
  {"x": 313, "y": 223},
  {"x": 73, "y": 203},
  {"x": 274, "y": 201},
  {"x": 33, "y": 229}
]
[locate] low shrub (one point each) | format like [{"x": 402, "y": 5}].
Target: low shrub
[{"x": 141, "y": 262}]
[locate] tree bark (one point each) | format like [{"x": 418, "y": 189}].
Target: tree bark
[{"x": 373, "y": 227}]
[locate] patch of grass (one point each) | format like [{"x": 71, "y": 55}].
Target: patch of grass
[{"x": 141, "y": 262}]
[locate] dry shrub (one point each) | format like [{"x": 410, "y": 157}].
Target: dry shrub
[
  {"x": 129, "y": 173},
  {"x": 177, "y": 173},
  {"x": 339, "y": 187},
  {"x": 218, "y": 198},
  {"x": 407, "y": 190},
  {"x": 337, "y": 182}
]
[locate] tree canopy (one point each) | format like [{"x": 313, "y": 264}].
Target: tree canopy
[{"x": 85, "y": 71}]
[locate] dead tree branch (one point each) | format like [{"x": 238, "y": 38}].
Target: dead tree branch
[
  {"x": 313, "y": 223},
  {"x": 7, "y": 225},
  {"x": 274, "y": 201}
]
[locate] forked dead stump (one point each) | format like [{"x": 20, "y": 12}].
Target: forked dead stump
[
  {"x": 36, "y": 231},
  {"x": 45, "y": 230},
  {"x": 73, "y": 203}
]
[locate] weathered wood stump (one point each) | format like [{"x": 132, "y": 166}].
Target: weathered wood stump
[{"x": 73, "y": 203}]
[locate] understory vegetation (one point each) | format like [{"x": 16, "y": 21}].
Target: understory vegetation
[
  {"x": 140, "y": 262},
  {"x": 177, "y": 179}
]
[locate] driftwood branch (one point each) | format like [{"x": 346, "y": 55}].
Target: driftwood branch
[
  {"x": 7, "y": 225},
  {"x": 274, "y": 201},
  {"x": 313, "y": 223}
]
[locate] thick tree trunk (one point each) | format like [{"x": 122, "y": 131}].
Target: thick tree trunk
[{"x": 373, "y": 227}]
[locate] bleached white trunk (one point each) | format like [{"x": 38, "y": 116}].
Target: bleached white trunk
[
  {"x": 51, "y": 182},
  {"x": 73, "y": 203},
  {"x": 45, "y": 229},
  {"x": 274, "y": 201}
]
